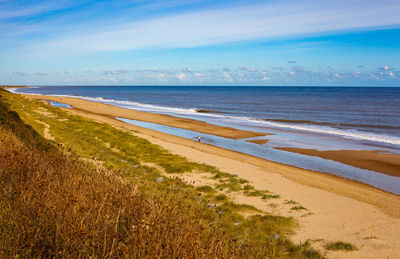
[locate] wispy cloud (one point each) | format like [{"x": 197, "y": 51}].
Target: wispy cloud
[
  {"x": 16, "y": 9},
  {"x": 299, "y": 69},
  {"x": 115, "y": 72},
  {"x": 17, "y": 73},
  {"x": 193, "y": 41},
  {"x": 261, "y": 21},
  {"x": 41, "y": 73},
  {"x": 188, "y": 70},
  {"x": 248, "y": 69}
]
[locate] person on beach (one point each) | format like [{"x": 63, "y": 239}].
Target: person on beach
[{"x": 198, "y": 138}]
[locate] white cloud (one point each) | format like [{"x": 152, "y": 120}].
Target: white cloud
[
  {"x": 181, "y": 76},
  {"x": 339, "y": 76},
  {"x": 198, "y": 74},
  {"x": 227, "y": 77},
  {"x": 299, "y": 69},
  {"x": 272, "y": 19},
  {"x": 158, "y": 75},
  {"x": 115, "y": 72},
  {"x": 376, "y": 77},
  {"x": 248, "y": 69},
  {"x": 384, "y": 72},
  {"x": 112, "y": 79}
]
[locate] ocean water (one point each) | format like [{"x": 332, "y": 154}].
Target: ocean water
[
  {"x": 363, "y": 113},
  {"x": 323, "y": 118}
]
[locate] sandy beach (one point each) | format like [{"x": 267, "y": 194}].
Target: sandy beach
[
  {"x": 188, "y": 124},
  {"x": 366, "y": 159},
  {"x": 337, "y": 209}
]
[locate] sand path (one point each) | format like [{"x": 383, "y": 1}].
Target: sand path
[{"x": 46, "y": 131}]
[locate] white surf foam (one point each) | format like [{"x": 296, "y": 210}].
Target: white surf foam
[{"x": 346, "y": 133}]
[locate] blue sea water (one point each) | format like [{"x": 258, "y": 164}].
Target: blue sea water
[
  {"x": 366, "y": 113},
  {"x": 323, "y": 118}
]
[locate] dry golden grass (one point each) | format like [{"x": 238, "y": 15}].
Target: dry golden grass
[{"x": 53, "y": 205}]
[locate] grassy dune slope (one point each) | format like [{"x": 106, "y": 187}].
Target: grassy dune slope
[{"x": 89, "y": 193}]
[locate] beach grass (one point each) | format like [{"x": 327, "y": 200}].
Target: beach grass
[
  {"x": 126, "y": 155},
  {"x": 340, "y": 246},
  {"x": 298, "y": 207}
]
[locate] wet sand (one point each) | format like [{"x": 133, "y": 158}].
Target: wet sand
[
  {"x": 183, "y": 123},
  {"x": 365, "y": 159},
  {"x": 338, "y": 209},
  {"x": 258, "y": 141}
]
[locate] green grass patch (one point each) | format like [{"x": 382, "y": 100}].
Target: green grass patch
[
  {"x": 370, "y": 237},
  {"x": 248, "y": 187},
  {"x": 273, "y": 205},
  {"x": 254, "y": 194},
  {"x": 230, "y": 206},
  {"x": 298, "y": 207},
  {"x": 340, "y": 246},
  {"x": 270, "y": 196},
  {"x": 206, "y": 188},
  {"x": 221, "y": 197}
]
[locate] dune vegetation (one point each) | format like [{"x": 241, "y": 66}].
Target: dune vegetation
[{"x": 88, "y": 189}]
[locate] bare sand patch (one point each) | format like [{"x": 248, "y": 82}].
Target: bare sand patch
[{"x": 258, "y": 141}]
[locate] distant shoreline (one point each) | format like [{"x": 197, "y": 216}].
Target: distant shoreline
[{"x": 13, "y": 86}]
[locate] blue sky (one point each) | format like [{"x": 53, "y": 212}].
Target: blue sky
[{"x": 200, "y": 42}]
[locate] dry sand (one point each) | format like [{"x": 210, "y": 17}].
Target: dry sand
[
  {"x": 366, "y": 159},
  {"x": 340, "y": 210}
]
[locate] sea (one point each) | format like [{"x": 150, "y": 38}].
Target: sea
[{"x": 323, "y": 118}]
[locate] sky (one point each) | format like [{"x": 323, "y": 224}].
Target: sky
[{"x": 200, "y": 42}]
